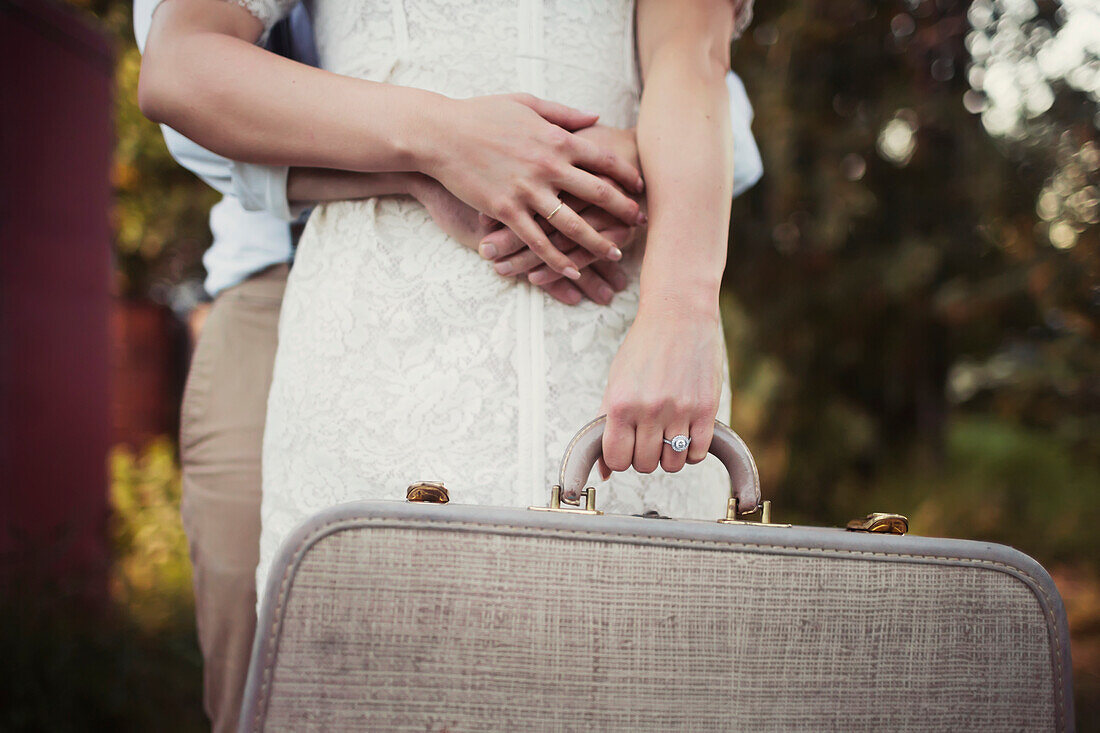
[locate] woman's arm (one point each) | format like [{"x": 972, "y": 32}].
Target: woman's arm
[
  {"x": 506, "y": 156},
  {"x": 666, "y": 379}
]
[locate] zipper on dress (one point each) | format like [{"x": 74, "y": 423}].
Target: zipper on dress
[{"x": 529, "y": 313}]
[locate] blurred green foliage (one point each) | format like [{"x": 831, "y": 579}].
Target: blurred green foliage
[
  {"x": 152, "y": 571},
  {"x": 906, "y": 332},
  {"x": 888, "y": 294}
]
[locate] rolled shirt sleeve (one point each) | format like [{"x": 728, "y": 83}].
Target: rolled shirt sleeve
[
  {"x": 263, "y": 188},
  {"x": 210, "y": 167}
]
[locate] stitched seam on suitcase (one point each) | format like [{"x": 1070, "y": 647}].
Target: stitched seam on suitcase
[{"x": 328, "y": 528}]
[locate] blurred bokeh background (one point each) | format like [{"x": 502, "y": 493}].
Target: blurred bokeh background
[{"x": 912, "y": 306}]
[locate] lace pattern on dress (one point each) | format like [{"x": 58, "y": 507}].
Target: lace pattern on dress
[{"x": 402, "y": 356}]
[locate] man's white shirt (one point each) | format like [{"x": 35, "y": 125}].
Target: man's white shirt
[{"x": 251, "y": 224}]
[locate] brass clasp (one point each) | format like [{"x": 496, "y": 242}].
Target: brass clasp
[
  {"x": 733, "y": 512},
  {"x": 556, "y": 500},
  {"x": 880, "y": 523},
  {"x": 427, "y": 492}
]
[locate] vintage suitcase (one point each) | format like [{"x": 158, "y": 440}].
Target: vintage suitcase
[{"x": 442, "y": 617}]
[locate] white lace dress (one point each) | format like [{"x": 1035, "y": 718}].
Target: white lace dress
[{"x": 402, "y": 355}]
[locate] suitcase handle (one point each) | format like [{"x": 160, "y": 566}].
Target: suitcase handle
[{"x": 583, "y": 450}]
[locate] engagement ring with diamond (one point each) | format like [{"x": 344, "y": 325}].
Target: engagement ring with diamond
[{"x": 679, "y": 443}]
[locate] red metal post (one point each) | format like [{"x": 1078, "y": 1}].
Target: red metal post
[{"x": 55, "y": 149}]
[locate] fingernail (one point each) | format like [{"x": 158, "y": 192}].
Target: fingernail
[
  {"x": 539, "y": 278},
  {"x": 487, "y": 251},
  {"x": 606, "y": 293},
  {"x": 573, "y": 298},
  {"x": 615, "y": 254},
  {"x": 503, "y": 268},
  {"x": 640, "y": 185},
  {"x": 572, "y": 273},
  {"x": 642, "y": 218}
]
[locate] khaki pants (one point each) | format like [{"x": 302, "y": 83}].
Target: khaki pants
[{"x": 221, "y": 433}]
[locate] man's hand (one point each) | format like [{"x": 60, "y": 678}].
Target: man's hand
[{"x": 463, "y": 223}]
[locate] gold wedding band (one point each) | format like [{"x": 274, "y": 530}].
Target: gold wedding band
[{"x": 551, "y": 214}]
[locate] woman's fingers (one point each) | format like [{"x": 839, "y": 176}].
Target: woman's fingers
[
  {"x": 576, "y": 229},
  {"x": 611, "y": 272},
  {"x": 539, "y": 273},
  {"x": 598, "y": 159},
  {"x": 618, "y": 444},
  {"x": 671, "y": 460},
  {"x": 502, "y": 241},
  {"x": 702, "y": 432},
  {"x": 646, "y": 439},
  {"x": 525, "y": 260},
  {"x": 605, "y": 472},
  {"x": 586, "y": 153},
  {"x": 561, "y": 115},
  {"x": 527, "y": 230},
  {"x": 604, "y": 194},
  {"x": 647, "y": 446}
]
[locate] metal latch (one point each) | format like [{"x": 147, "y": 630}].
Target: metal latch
[
  {"x": 589, "y": 494},
  {"x": 733, "y": 511},
  {"x": 427, "y": 492},
  {"x": 880, "y": 523}
]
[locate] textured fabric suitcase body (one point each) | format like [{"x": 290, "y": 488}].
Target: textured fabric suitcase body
[{"x": 433, "y": 617}]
